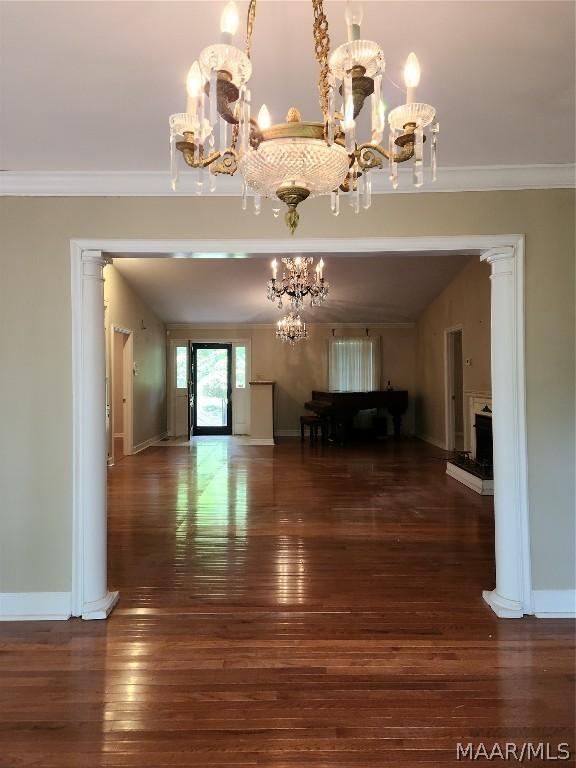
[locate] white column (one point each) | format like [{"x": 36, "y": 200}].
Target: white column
[
  {"x": 508, "y": 599},
  {"x": 97, "y": 601}
]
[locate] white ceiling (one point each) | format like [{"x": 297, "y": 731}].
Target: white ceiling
[
  {"x": 374, "y": 288},
  {"x": 90, "y": 85}
]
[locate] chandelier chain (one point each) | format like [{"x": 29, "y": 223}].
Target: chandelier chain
[
  {"x": 322, "y": 49},
  {"x": 250, "y": 17},
  {"x": 250, "y": 26}
]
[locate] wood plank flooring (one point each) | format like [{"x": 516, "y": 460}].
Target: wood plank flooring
[{"x": 288, "y": 607}]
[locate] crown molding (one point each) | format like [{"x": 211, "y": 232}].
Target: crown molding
[
  {"x": 156, "y": 183},
  {"x": 203, "y": 326}
]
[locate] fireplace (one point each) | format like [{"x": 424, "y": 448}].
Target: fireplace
[
  {"x": 474, "y": 468},
  {"x": 483, "y": 428}
]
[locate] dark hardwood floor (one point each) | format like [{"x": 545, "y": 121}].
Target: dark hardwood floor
[{"x": 288, "y": 607}]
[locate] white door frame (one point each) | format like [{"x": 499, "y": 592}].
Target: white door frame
[
  {"x": 449, "y": 383},
  {"x": 512, "y": 596},
  {"x": 127, "y": 388},
  {"x": 171, "y": 397}
]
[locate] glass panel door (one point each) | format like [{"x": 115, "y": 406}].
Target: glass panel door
[{"x": 212, "y": 403}]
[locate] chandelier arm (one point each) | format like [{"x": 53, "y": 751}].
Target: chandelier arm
[
  {"x": 228, "y": 163},
  {"x": 322, "y": 50},
  {"x": 370, "y": 155},
  {"x": 188, "y": 150}
]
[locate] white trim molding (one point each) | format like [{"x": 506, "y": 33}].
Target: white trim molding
[
  {"x": 555, "y": 603},
  {"x": 431, "y": 440},
  {"x": 157, "y": 183},
  {"x": 147, "y": 443},
  {"x": 35, "y": 606}
]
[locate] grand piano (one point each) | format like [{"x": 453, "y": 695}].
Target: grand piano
[{"x": 338, "y": 409}]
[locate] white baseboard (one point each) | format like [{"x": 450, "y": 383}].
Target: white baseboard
[
  {"x": 287, "y": 433},
  {"x": 555, "y": 603},
  {"x": 35, "y": 606},
  {"x": 483, "y": 487},
  {"x": 431, "y": 440},
  {"x": 147, "y": 443},
  {"x": 260, "y": 441}
]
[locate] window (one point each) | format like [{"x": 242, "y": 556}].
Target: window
[
  {"x": 354, "y": 365},
  {"x": 240, "y": 372},
  {"x": 181, "y": 367}
]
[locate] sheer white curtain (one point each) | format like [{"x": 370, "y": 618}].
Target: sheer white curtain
[{"x": 354, "y": 364}]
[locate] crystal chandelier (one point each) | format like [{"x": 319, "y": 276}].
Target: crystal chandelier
[
  {"x": 291, "y": 329},
  {"x": 297, "y": 282},
  {"x": 294, "y": 160}
]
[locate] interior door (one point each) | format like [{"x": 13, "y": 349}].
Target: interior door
[{"x": 211, "y": 391}]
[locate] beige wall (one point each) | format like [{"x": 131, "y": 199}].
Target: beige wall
[
  {"x": 36, "y": 440},
  {"x": 127, "y": 310},
  {"x": 298, "y": 370},
  {"x": 465, "y": 301}
]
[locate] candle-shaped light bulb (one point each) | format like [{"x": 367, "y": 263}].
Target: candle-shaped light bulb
[
  {"x": 321, "y": 267},
  {"x": 353, "y": 14},
  {"x": 193, "y": 87},
  {"x": 229, "y": 23},
  {"x": 274, "y": 268},
  {"x": 411, "y": 76},
  {"x": 264, "y": 119}
]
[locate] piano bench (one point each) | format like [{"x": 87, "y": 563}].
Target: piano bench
[{"x": 314, "y": 423}]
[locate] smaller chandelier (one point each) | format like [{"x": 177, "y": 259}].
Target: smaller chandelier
[
  {"x": 291, "y": 329},
  {"x": 297, "y": 282}
]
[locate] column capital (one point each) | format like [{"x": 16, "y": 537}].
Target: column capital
[
  {"x": 92, "y": 264},
  {"x": 502, "y": 253}
]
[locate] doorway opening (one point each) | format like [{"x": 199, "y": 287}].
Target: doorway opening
[
  {"x": 454, "y": 389},
  {"x": 210, "y": 389},
  {"x": 121, "y": 354},
  {"x": 512, "y": 595}
]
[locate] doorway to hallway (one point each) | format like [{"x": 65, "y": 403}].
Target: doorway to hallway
[
  {"x": 210, "y": 389},
  {"x": 121, "y": 396},
  {"x": 454, "y": 388}
]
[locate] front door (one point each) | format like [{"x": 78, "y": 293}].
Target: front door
[{"x": 210, "y": 391}]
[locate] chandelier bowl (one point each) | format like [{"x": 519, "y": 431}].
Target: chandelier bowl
[{"x": 303, "y": 162}]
